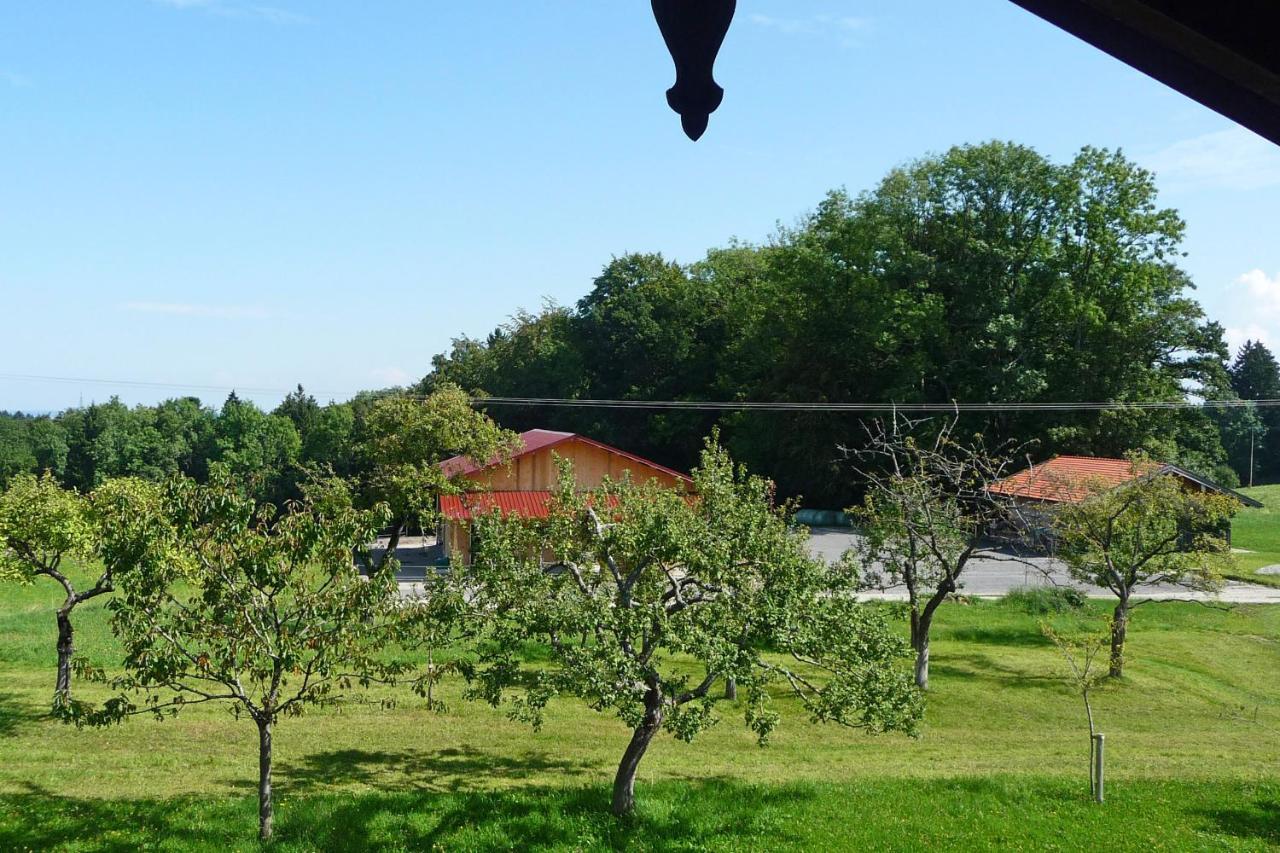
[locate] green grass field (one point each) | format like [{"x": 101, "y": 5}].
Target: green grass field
[
  {"x": 1258, "y": 532},
  {"x": 1193, "y": 737}
]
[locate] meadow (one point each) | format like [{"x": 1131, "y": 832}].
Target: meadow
[
  {"x": 1257, "y": 532},
  {"x": 1193, "y": 737}
]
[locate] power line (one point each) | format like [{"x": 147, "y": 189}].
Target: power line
[
  {"x": 718, "y": 406},
  {"x": 172, "y": 386},
  {"x": 707, "y": 405}
]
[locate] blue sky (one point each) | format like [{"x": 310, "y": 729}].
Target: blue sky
[{"x": 255, "y": 194}]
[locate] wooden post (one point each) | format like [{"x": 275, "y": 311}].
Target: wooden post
[{"x": 1099, "y": 741}]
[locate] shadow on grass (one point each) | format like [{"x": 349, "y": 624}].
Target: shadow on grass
[
  {"x": 683, "y": 816},
  {"x": 552, "y": 818},
  {"x": 1001, "y": 635},
  {"x": 982, "y": 667},
  {"x": 14, "y": 713},
  {"x": 453, "y": 769},
  {"x": 1261, "y": 820},
  {"x": 41, "y": 820},
  {"x": 719, "y": 813}
]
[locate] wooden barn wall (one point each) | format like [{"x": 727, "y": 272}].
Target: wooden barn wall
[{"x": 536, "y": 472}]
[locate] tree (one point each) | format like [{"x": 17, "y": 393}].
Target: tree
[
  {"x": 927, "y": 511},
  {"x": 247, "y": 440},
  {"x": 260, "y": 609},
  {"x": 48, "y": 441},
  {"x": 16, "y": 456},
  {"x": 260, "y": 447},
  {"x": 648, "y": 330},
  {"x": 1255, "y": 375},
  {"x": 329, "y": 440},
  {"x": 655, "y": 595},
  {"x": 187, "y": 430},
  {"x": 1081, "y": 655},
  {"x": 95, "y": 436},
  {"x": 301, "y": 408},
  {"x": 44, "y": 526},
  {"x": 153, "y": 442},
  {"x": 531, "y": 355},
  {"x": 1152, "y": 529},
  {"x": 405, "y": 440},
  {"x": 1244, "y": 437},
  {"x": 986, "y": 273}
]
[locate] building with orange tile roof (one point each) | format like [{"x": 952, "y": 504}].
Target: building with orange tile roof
[{"x": 1070, "y": 479}]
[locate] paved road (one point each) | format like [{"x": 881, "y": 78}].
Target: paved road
[
  {"x": 417, "y": 555},
  {"x": 993, "y": 574},
  {"x": 990, "y": 575}
]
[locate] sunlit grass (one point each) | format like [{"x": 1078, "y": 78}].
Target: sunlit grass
[
  {"x": 1192, "y": 736},
  {"x": 1258, "y": 532}
]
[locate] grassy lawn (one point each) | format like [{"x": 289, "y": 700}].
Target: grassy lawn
[
  {"x": 1193, "y": 736},
  {"x": 1258, "y": 531}
]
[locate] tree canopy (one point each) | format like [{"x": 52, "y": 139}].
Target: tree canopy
[
  {"x": 258, "y": 609},
  {"x": 652, "y": 596},
  {"x": 987, "y": 273},
  {"x": 1153, "y": 529},
  {"x": 1255, "y": 441},
  {"x": 406, "y": 439},
  {"x": 45, "y": 528}
]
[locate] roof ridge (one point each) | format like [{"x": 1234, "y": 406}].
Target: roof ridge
[{"x": 550, "y": 438}]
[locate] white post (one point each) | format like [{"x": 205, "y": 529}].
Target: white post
[{"x": 1098, "y": 764}]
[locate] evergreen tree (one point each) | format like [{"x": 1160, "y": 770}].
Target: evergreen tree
[
  {"x": 1255, "y": 375},
  {"x": 301, "y": 408}
]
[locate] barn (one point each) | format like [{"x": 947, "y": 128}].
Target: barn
[
  {"x": 523, "y": 484},
  {"x": 1070, "y": 479}
]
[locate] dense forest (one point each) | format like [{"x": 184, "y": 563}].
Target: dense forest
[{"x": 985, "y": 274}]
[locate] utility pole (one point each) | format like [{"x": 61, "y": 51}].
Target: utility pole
[{"x": 1253, "y": 431}]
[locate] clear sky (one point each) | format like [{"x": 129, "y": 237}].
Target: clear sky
[{"x": 263, "y": 192}]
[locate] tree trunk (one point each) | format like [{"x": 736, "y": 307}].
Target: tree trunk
[
  {"x": 265, "y": 813},
  {"x": 66, "y": 651},
  {"x": 1119, "y": 625},
  {"x": 922, "y": 663},
  {"x": 920, "y": 642},
  {"x": 731, "y": 689},
  {"x": 624, "y": 797}
]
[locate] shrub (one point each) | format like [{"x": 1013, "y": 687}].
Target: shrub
[{"x": 1042, "y": 600}]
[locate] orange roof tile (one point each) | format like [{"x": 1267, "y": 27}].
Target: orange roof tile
[{"x": 1069, "y": 479}]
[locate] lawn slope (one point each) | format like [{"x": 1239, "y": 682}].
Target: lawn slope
[
  {"x": 1193, "y": 735},
  {"x": 1258, "y": 532}
]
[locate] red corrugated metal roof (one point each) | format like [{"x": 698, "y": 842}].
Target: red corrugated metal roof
[
  {"x": 523, "y": 504},
  {"x": 539, "y": 439},
  {"x": 1068, "y": 479}
]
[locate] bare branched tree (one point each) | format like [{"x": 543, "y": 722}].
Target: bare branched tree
[{"x": 928, "y": 510}]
